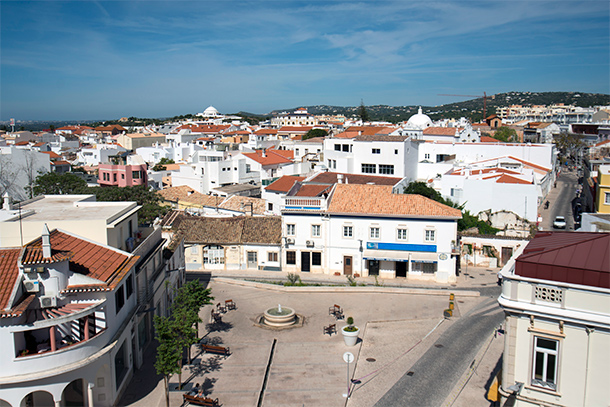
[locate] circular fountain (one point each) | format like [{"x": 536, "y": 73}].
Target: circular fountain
[{"x": 280, "y": 317}]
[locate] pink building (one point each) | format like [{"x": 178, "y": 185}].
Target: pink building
[{"x": 119, "y": 173}]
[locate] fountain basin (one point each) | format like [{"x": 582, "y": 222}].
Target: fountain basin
[{"x": 279, "y": 317}]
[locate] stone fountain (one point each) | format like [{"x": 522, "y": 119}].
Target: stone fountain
[{"x": 280, "y": 317}]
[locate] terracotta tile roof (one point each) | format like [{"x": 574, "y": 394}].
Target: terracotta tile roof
[
  {"x": 314, "y": 140},
  {"x": 9, "y": 271},
  {"x": 487, "y": 139},
  {"x": 379, "y": 200},
  {"x": 235, "y": 230},
  {"x": 568, "y": 257},
  {"x": 530, "y": 164},
  {"x": 175, "y": 193},
  {"x": 601, "y": 143},
  {"x": 33, "y": 255},
  {"x": 366, "y": 130},
  {"x": 206, "y": 128},
  {"x": 51, "y": 154},
  {"x": 22, "y": 143},
  {"x": 186, "y": 194},
  {"x": 102, "y": 263},
  {"x": 499, "y": 170},
  {"x": 273, "y": 157},
  {"x": 347, "y": 134},
  {"x": 507, "y": 179},
  {"x": 440, "y": 131},
  {"x": 39, "y": 144},
  {"x": 313, "y": 189},
  {"x": 294, "y": 129},
  {"x": 283, "y": 184},
  {"x": 265, "y": 131},
  {"x": 380, "y": 137},
  {"x": 331, "y": 178},
  {"x": 60, "y": 162},
  {"x": 242, "y": 204},
  {"x": 110, "y": 128}
]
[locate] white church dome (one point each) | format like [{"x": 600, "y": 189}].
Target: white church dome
[
  {"x": 210, "y": 111},
  {"x": 419, "y": 120}
]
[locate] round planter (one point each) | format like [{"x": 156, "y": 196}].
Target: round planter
[{"x": 350, "y": 338}]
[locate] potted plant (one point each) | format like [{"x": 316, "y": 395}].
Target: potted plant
[{"x": 350, "y": 332}]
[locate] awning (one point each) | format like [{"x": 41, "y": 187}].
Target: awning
[{"x": 399, "y": 255}]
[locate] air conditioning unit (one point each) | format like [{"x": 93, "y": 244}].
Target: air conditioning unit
[
  {"x": 48, "y": 301},
  {"x": 289, "y": 241},
  {"x": 309, "y": 243},
  {"x": 32, "y": 286}
]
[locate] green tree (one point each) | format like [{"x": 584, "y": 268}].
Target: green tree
[
  {"x": 160, "y": 166},
  {"x": 362, "y": 113},
  {"x": 569, "y": 144},
  {"x": 178, "y": 332},
  {"x": 52, "y": 183},
  {"x": 506, "y": 134},
  {"x": 315, "y": 133}
]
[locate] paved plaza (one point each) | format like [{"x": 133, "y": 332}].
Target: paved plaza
[{"x": 302, "y": 366}]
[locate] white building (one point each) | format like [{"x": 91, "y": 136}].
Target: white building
[
  {"x": 367, "y": 230},
  {"x": 93, "y": 156},
  {"x": 557, "y": 326},
  {"x": 299, "y": 117},
  {"x": 179, "y": 152}
]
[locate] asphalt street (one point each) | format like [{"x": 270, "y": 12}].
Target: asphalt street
[
  {"x": 560, "y": 200},
  {"x": 430, "y": 380}
]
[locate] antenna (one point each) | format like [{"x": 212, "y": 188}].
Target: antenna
[{"x": 20, "y": 225}]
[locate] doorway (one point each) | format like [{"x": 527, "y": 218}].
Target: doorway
[
  {"x": 347, "y": 265},
  {"x": 507, "y": 253},
  {"x": 252, "y": 260},
  {"x": 401, "y": 269},
  {"x": 305, "y": 263},
  {"x": 373, "y": 267}
]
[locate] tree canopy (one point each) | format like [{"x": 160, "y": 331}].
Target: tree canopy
[
  {"x": 160, "y": 166},
  {"x": 53, "y": 183},
  {"x": 362, "y": 113},
  {"x": 315, "y": 133},
  {"x": 506, "y": 134}
]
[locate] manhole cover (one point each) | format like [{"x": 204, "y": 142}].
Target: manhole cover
[
  {"x": 371, "y": 360},
  {"x": 410, "y": 373},
  {"x": 438, "y": 345},
  {"x": 460, "y": 301}
]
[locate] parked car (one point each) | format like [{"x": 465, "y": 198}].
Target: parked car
[{"x": 560, "y": 222}]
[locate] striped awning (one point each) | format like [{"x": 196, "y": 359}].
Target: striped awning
[{"x": 399, "y": 255}]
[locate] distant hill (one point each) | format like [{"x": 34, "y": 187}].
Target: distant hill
[{"x": 472, "y": 109}]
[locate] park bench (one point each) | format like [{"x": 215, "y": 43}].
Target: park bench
[
  {"x": 219, "y": 350},
  {"x": 336, "y": 310},
  {"x": 230, "y": 304},
  {"x": 199, "y": 400},
  {"x": 330, "y": 329}
]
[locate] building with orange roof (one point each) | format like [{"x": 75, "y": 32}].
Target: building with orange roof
[
  {"x": 367, "y": 230},
  {"x": 70, "y": 322},
  {"x": 300, "y": 117}
]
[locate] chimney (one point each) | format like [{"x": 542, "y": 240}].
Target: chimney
[
  {"x": 339, "y": 178},
  {"x": 46, "y": 242},
  {"x": 7, "y": 202},
  {"x": 264, "y": 153}
]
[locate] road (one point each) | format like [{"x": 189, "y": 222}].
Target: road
[
  {"x": 560, "y": 199},
  {"x": 433, "y": 376}
]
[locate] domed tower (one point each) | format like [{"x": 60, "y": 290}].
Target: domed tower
[{"x": 419, "y": 121}]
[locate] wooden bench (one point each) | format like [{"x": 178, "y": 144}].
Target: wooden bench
[
  {"x": 219, "y": 350},
  {"x": 336, "y": 310},
  {"x": 229, "y": 304},
  {"x": 330, "y": 329},
  {"x": 199, "y": 400}
]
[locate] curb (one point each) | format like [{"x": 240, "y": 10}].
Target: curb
[{"x": 343, "y": 289}]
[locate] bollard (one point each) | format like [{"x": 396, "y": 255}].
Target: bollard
[
  {"x": 447, "y": 313},
  {"x": 451, "y": 306},
  {"x": 451, "y": 297}
]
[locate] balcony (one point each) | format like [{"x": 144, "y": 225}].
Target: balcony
[{"x": 304, "y": 204}]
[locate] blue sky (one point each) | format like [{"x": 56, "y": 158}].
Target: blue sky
[{"x": 104, "y": 60}]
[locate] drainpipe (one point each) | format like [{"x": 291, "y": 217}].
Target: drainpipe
[{"x": 589, "y": 332}]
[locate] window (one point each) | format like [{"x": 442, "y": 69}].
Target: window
[
  {"x": 193, "y": 249},
  {"x": 119, "y": 299},
  {"x": 269, "y": 206},
  {"x": 315, "y": 230},
  {"x": 395, "y": 151},
  {"x": 296, "y": 151},
  {"x": 369, "y": 168},
  {"x": 386, "y": 169},
  {"x": 213, "y": 255},
  {"x": 607, "y": 198},
  {"x": 545, "y": 363},
  {"x": 337, "y": 147},
  {"x": 120, "y": 364},
  {"x": 122, "y": 176},
  {"x": 430, "y": 235},
  {"x": 424, "y": 267},
  {"x": 248, "y": 169},
  {"x": 401, "y": 234},
  {"x": 347, "y": 231},
  {"x": 334, "y": 164},
  {"x": 290, "y": 229},
  {"x": 376, "y": 151},
  {"x": 135, "y": 174},
  {"x": 374, "y": 233},
  {"x": 272, "y": 256},
  {"x": 316, "y": 259},
  {"x": 426, "y": 156},
  {"x": 114, "y": 177},
  {"x": 291, "y": 257},
  {"x": 129, "y": 286},
  {"x": 345, "y": 148}
]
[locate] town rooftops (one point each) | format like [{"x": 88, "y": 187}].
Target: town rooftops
[
  {"x": 334, "y": 177},
  {"x": 234, "y": 230},
  {"x": 567, "y": 257},
  {"x": 379, "y": 200},
  {"x": 283, "y": 184},
  {"x": 271, "y": 156},
  {"x": 9, "y": 271},
  {"x": 441, "y": 131}
]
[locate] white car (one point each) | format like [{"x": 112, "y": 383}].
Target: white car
[{"x": 560, "y": 222}]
